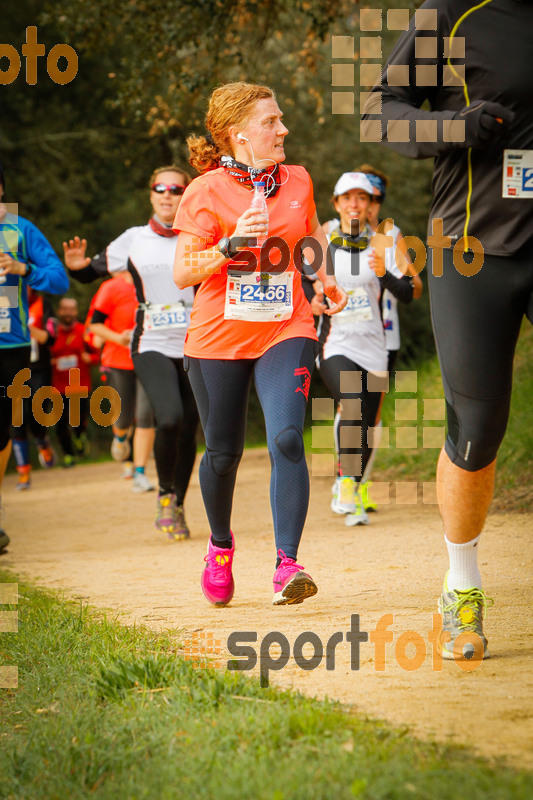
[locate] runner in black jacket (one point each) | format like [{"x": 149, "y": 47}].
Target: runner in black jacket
[{"x": 472, "y": 63}]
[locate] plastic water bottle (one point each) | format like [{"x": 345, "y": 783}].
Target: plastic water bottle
[{"x": 259, "y": 204}]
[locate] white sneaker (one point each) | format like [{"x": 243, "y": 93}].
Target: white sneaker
[
  {"x": 358, "y": 516},
  {"x": 120, "y": 450},
  {"x": 344, "y": 491},
  {"x": 141, "y": 483}
]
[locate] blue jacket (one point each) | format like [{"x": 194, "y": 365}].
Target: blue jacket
[{"x": 25, "y": 243}]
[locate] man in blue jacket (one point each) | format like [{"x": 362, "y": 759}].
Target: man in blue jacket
[{"x": 26, "y": 259}]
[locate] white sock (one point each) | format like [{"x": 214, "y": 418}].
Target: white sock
[{"x": 464, "y": 572}]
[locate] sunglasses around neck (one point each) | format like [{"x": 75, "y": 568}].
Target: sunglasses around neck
[{"x": 173, "y": 188}]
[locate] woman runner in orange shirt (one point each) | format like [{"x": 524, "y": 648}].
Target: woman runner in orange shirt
[{"x": 250, "y": 322}]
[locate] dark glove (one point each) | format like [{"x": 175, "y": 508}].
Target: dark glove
[{"x": 486, "y": 124}]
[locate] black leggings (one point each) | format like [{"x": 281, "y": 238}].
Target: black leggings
[
  {"x": 476, "y": 321},
  {"x": 12, "y": 359},
  {"x": 282, "y": 378},
  {"x": 38, "y": 378},
  {"x": 359, "y": 411},
  {"x": 176, "y": 418}
]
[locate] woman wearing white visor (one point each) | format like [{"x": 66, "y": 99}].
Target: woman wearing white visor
[{"x": 353, "y": 353}]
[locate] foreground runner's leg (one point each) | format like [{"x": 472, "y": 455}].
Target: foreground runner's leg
[
  {"x": 282, "y": 378},
  {"x": 463, "y": 603},
  {"x": 221, "y": 390},
  {"x": 476, "y": 349}
]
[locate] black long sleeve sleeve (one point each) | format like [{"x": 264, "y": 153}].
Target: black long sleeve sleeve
[
  {"x": 401, "y": 288},
  {"x": 98, "y": 268},
  {"x": 441, "y": 81}
]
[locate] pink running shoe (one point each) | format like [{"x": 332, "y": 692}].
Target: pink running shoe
[
  {"x": 217, "y": 580},
  {"x": 291, "y": 584}
]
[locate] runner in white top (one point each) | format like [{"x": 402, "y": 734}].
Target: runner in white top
[
  {"x": 164, "y": 310},
  {"x": 162, "y": 318},
  {"x": 352, "y": 344},
  {"x": 389, "y": 303}
]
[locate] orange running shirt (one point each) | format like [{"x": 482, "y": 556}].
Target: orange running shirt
[
  {"x": 117, "y": 300},
  {"x": 209, "y": 209}
]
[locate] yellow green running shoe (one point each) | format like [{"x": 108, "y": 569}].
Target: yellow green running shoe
[{"x": 463, "y": 613}]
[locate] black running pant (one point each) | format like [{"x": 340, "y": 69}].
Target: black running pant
[
  {"x": 282, "y": 378},
  {"x": 348, "y": 385},
  {"x": 38, "y": 378},
  {"x": 12, "y": 359},
  {"x": 477, "y": 321},
  {"x": 176, "y": 418}
]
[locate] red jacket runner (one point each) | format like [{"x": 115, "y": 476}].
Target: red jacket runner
[{"x": 67, "y": 353}]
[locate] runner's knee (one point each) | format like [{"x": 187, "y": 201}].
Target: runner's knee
[
  {"x": 168, "y": 421},
  {"x": 475, "y": 431},
  {"x": 222, "y": 463},
  {"x": 290, "y": 443}
]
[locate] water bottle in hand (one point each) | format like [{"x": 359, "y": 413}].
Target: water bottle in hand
[{"x": 259, "y": 204}]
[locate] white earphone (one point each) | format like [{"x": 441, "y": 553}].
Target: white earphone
[{"x": 243, "y": 138}]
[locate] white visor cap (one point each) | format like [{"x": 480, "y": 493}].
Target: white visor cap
[{"x": 352, "y": 180}]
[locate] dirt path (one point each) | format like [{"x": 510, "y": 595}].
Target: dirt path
[{"x": 85, "y": 531}]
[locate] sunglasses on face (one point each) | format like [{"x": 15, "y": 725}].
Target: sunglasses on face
[{"x": 173, "y": 188}]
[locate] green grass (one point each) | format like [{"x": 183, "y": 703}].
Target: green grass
[
  {"x": 106, "y": 711},
  {"x": 515, "y": 460}
]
